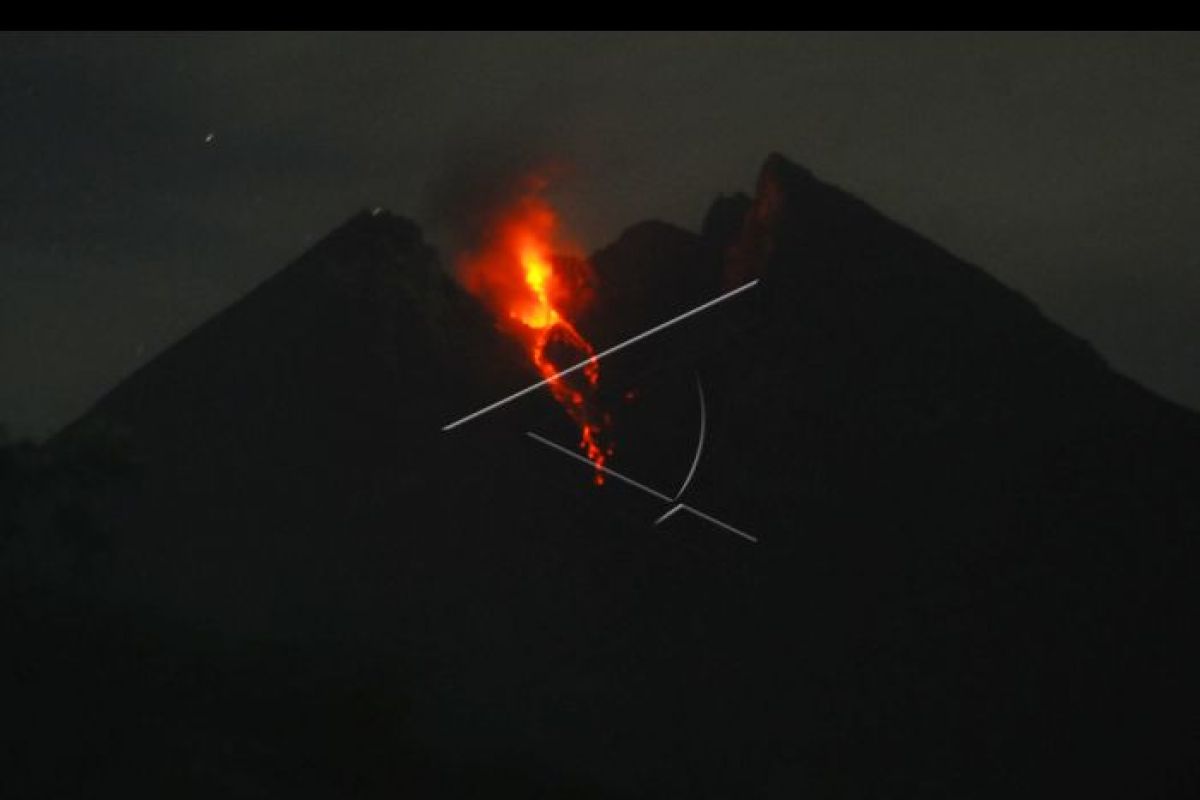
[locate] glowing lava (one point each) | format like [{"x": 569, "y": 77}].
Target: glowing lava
[{"x": 531, "y": 291}]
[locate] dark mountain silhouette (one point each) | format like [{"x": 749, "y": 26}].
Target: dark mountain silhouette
[{"x": 974, "y": 576}]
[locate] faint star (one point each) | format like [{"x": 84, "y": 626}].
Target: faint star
[{"x": 208, "y": 139}]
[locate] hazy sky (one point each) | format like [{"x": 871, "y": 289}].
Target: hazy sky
[{"x": 148, "y": 181}]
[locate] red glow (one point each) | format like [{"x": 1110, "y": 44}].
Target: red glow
[{"x": 517, "y": 274}]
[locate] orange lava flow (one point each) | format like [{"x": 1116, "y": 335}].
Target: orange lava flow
[{"x": 516, "y": 273}]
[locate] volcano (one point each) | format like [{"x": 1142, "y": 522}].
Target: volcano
[{"x": 974, "y": 576}]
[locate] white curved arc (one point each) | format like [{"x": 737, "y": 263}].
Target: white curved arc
[{"x": 699, "y": 444}]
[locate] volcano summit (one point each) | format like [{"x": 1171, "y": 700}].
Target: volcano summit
[{"x": 975, "y": 576}]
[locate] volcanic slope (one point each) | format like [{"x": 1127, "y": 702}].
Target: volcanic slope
[{"x": 976, "y": 540}]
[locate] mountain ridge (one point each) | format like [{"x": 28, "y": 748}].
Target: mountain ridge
[{"x": 958, "y": 504}]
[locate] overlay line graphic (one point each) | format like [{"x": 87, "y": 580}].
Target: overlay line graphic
[
  {"x": 653, "y": 493},
  {"x": 621, "y": 346}
]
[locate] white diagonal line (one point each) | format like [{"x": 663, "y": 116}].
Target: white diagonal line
[
  {"x": 718, "y": 522},
  {"x": 643, "y": 487},
  {"x": 621, "y": 346},
  {"x": 594, "y": 465}
]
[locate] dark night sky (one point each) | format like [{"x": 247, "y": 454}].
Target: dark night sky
[{"x": 1066, "y": 165}]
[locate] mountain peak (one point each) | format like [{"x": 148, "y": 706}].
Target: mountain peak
[
  {"x": 779, "y": 182},
  {"x": 739, "y": 220},
  {"x": 374, "y": 233},
  {"x": 958, "y": 504},
  {"x": 780, "y": 171}
]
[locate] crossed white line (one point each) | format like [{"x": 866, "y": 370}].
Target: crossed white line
[
  {"x": 607, "y": 470},
  {"x": 652, "y": 492}
]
